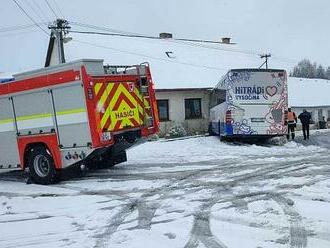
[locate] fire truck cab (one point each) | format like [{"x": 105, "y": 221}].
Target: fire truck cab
[{"x": 78, "y": 113}]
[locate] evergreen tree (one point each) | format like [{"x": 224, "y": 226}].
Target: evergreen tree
[
  {"x": 307, "y": 69},
  {"x": 320, "y": 73},
  {"x": 327, "y": 73}
]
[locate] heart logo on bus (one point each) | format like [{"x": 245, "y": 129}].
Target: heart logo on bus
[{"x": 271, "y": 90}]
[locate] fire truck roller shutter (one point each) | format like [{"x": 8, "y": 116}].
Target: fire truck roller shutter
[
  {"x": 71, "y": 115},
  {"x": 8, "y": 144},
  {"x": 34, "y": 113}
]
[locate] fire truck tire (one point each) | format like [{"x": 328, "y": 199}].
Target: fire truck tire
[{"x": 41, "y": 166}]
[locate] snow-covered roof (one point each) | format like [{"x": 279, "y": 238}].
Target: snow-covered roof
[
  {"x": 187, "y": 65},
  {"x": 5, "y": 75},
  {"x": 191, "y": 65},
  {"x": 308, "y": 92}
]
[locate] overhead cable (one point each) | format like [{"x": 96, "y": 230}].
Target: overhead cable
[
  {"x": 25, "y": 12},
  {"x": 150, "y": 57}
]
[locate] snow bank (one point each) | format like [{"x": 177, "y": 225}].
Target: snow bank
[{"x": 208, "y": 149}]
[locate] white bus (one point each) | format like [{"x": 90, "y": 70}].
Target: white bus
[{"x": 250, "y": 103}]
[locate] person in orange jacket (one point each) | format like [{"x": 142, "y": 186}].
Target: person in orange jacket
[{"x": 292, "y": 123}]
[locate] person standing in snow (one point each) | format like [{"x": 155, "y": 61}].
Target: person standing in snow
[
  {"x": 305, "y": 118},
  {"x": 323, "y": 123},
  {"x": 292, "y": 122}
]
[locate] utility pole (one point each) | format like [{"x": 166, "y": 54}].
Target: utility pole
[
  {"x": 55, "y": 53},
  {"x": 265, "y": 56}
]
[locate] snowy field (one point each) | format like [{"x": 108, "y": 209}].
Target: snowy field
[{"x": 189, "y": 193}]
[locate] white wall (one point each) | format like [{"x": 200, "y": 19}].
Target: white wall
[
  {"x": 314, "y": 112},
  {"x": 177, "y": 110}
]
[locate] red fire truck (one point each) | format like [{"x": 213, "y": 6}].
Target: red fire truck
[{"x": 80, "y": 113}]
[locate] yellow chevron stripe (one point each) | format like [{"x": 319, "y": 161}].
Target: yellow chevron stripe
[
  {"x": 141, "y": 109},
  {"x": 104, "y": 97},
  {"x": 102, "y": 101},
  {"x": 97, "y": 87},
  {"x": 124, "y": 106},
  {"x": 105, "y": 94},
  {"x": 146, "y": 103},
  {"x": 109, "y": 113},
  {"x": 124, "y": 121},
  {"x": 121, "y": 90}
]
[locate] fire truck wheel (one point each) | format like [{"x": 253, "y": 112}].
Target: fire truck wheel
[{"x": 41, "y": 166}]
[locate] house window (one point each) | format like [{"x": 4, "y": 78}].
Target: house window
[
  {"x": 328, "y": 119},
  {"x": 193, "y": 108},
  {"x": 163, "y": 110}
]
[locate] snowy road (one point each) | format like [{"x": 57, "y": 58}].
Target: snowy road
[{"x": 188, "y": 193}]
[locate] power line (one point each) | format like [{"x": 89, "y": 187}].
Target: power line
[
  {"x": 151, "y": 57},
  {"x": 19, "y": 27},
  {"x": 32, "y": 7},
  {"x": 183, "y": 41},
  {"x": 216, "y": 48},
  {"x": 41, "y": 10},
  {"x": 186, "y": 42},
  {"x": 144, "y": 36},
  {"x": 21, "y": 32},
  {"x": 50, "y": 7},
  {"x": 58, "y": 8},
  {"x": 189, "y": 42},
  {"x": 23, "y": 10},
  {"x": 84, "y": 25}
]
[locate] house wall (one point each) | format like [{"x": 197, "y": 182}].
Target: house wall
[
  {"x": 176, "y": 102},
  {"x": 314, "y": 113}
]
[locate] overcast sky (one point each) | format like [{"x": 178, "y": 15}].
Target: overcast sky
[{"x": 289, "y": 29}]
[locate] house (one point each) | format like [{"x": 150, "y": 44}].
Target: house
[
  {"x": 187, "y": 107},
  {"x": 185, "y": 73},
  {"x": 312, "y": 95}
]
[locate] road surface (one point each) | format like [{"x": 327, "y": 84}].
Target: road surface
[{"x": 188, "y": 193}]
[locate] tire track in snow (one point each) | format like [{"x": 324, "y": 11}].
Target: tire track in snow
[
  {"x": 298, "y": 233},
  {"x": 114, "y": 223},
  {"x": 189, "y": 179},
  {"x": 201, "y": 233}
]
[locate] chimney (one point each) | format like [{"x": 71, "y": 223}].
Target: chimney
[
  {"x": 165, "y": 36},
  {"x": 225, "y": 40}
]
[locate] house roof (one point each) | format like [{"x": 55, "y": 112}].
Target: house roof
[
  {"x": 185, "y": 89},
  {"x": 182, "y": 65},
  {"x": 174, "y": 64},
  {"x": 308, "y": 92},
  {"x": 6, "y": 75}
]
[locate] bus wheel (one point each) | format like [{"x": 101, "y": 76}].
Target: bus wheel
[{"x": 41, "y": 166}]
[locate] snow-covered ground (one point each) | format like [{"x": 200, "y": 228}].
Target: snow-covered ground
[{"x": 196, "y": 192}]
